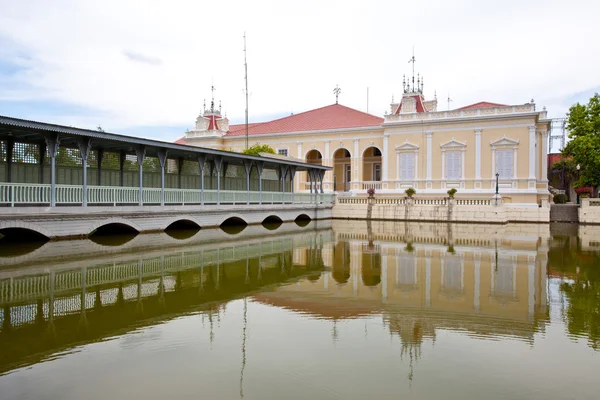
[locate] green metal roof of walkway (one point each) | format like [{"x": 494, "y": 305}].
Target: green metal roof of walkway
[{"x": 35, "y": 132}]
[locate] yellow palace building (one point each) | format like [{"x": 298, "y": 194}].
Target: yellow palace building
[{"x": 414, "y": 145}]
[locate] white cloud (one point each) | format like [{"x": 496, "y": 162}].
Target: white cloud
[{"x": 146, "y": 63}]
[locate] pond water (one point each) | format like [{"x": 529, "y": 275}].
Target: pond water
[{"x": 329, "y": 310}]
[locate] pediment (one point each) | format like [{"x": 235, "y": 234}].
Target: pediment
[
  {"x": 504, "y": 142},
  {"x": 407, "y": 147},
  {"x": 453, "y": 144}
]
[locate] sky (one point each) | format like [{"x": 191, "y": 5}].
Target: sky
[{"x": 144, "y": 68}]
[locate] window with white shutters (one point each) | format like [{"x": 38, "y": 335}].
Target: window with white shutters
[
  {"x": 504, "y": 163},
  {"x": 453, "y": 165},
  {"x": 407, "y": 166}
]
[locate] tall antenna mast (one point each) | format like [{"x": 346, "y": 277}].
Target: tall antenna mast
[
  {"x": 412, "y": 60},
  {"x": 246, "y": 78}
]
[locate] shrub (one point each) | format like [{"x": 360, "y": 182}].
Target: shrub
[
  {"x": 410, "y": 192},
  {"x": 371, "y": 192},
  {"x": 259, "y": 148},
  {"x": 452, "y": 192},
  {"x": 560, "y": 198}
]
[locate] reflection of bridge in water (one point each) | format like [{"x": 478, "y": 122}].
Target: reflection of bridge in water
[{"x": 42, "y": 313}]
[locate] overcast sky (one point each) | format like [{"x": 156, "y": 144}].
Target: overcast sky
[{"x": 144, "y": 67}]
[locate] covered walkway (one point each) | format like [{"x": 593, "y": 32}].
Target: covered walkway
[{"x": 44, "y": 164}]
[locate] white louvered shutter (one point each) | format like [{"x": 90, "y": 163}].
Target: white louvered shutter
[
  {"x": 504, "y": 163},
  {"x": 453, "y": 165},
  {"x": 407, "y": 166}
]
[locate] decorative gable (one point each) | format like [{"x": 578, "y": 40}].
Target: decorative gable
[
  {"x": 407, "y": 147},
  {"x": 504, "y": 142},
  {"x": 453, "y": 145}
]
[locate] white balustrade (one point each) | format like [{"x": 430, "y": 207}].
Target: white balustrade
[{"x": 39, "y": 194}]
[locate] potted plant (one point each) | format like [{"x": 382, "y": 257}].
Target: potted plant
[
  {"x": 371, "y": 192},
  {"x": 584, "y": 192},
  {"x": 452, "y": 192},
  {"x": 410, "y": 192}
]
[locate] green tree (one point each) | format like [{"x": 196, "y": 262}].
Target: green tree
[
  {"x": 583, "y": 124},
  {"x": 259, "y": 148}
]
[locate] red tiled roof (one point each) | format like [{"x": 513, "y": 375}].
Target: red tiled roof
[
  {"x": 481, "y": 104},
  {"x": 334, "y": 116}
]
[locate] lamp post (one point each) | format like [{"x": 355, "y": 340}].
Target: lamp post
[{"x": 497, "y": 176}]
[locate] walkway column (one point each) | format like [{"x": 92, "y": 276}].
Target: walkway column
[
  {"x": 10, "y": 145},
  {"x": 282, "y": 174},
  {"x": 201, "y": 163},
  {"x": 100, "y": 156},
  {"x": 248, "y": 168},
  {"x": 321, "y": 176},
  {"x": 532, "y": 157},
  {"x": 218, "y": 161},
  {"x": 42, "y": 160},
  {"x": 162, "y": 160},
  {"x": 180, "y": 162},
  {"x": 141, "y": 154},
  {"x": 357, "y": 162},
  {"x": 52, "y": 142},
  {"x": 85, "y": 145},
  {"x": 122, "y": 158},
  {"x": 259, "y": 169},
  {"x": 292, "y": 175}
]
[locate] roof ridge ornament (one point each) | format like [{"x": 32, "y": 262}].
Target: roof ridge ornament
[{"x": 337, "y": 92}]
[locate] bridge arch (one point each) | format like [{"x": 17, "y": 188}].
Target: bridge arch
[
  {"x": 114, "y": 221},
  {"x": 182, "y": 221},
  {"x": 27, "y": 226},
  {"x": 232, "y": 219}
]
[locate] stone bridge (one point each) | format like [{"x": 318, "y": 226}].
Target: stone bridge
[{"x": 72, "y": 222}]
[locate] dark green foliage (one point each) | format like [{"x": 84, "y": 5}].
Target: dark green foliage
[
  {"x": 560, "y": 198},
  {"x": 583, "y": 124},
  {"x": 256, "y": 149}
]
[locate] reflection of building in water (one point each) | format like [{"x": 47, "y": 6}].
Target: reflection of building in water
[
  {"x": 496, "y": 289},
  {"x": 41, "y": 313}
]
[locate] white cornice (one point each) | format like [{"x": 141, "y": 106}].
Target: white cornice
[{"x": 437, "y": 121}]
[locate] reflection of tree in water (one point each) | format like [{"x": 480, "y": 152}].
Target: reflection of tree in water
[
  {"x": 341, "y": 264},
  {"x": 581, "y": 286},
  {"x": 583, "y": 293},
  {"x": 371, "y": 267},
  {"x": 412, "y": 332}
]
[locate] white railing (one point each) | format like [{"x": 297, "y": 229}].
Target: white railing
[
  {"x": 500, "y": 110},
  {"x": 433, "y": 201},
  {"x": 39, "y": 194},
  {"x": 366, "y": 185}
]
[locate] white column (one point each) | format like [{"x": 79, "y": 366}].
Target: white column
[
  {"x": 478, "y": 154},
  {"x": 356, "y": 159},
  {"x": 443, "y": 164},
  {"x": 300, "y": 155},
  {"x": 397, "y": 166},
  {"x": 384, "y": 158},
  {"x": 532, "y": 152},
  {"x": 429, "y": 154},
  {"x": 462, "y": 164},
  {"x": 515, "y": 176},
  {"x": 544, "y": 163}
]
